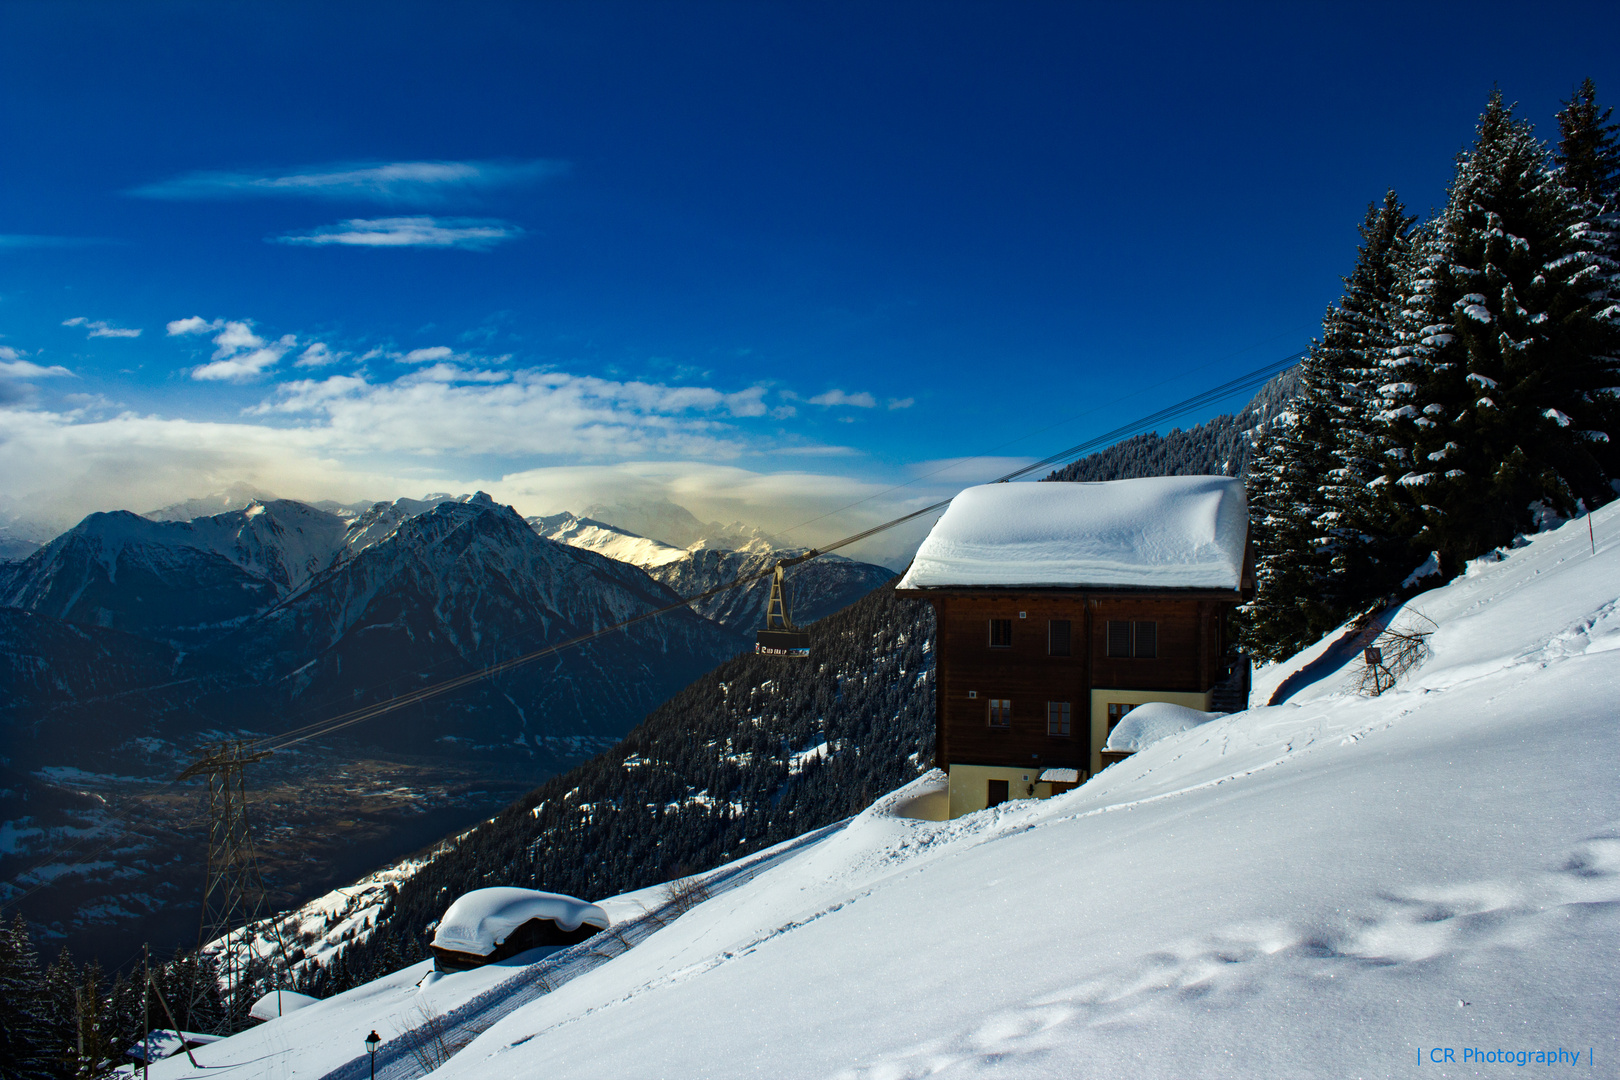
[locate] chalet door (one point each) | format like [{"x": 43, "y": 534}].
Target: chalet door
[{"x": 997, "y": 793}]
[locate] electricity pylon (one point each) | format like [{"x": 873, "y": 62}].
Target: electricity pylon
[{"x": 233, "y": 890}]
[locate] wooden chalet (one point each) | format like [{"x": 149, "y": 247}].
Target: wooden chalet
[{"x": 1062, "y": 606}]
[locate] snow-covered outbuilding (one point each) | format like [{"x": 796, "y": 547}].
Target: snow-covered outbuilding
[
  {"x": 487, "y": 925},
  {"x": 279, "y": 1003},
  {"x": 1062, "y": 606}
]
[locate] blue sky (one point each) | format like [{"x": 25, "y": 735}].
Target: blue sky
[{"x": 761, "y": 259}]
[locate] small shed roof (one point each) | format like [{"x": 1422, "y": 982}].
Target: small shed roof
[
  {"x": 1167, "y": 532},
  {"x": 280, "y": 1003},
  {"x": 484, "y": 918}
]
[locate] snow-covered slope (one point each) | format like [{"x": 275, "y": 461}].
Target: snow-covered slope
[
  {"x": 605, "y": 539},
  {"x": 1335, "y": 886}
]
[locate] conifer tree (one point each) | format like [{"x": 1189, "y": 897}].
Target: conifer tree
[
  {"x": 1495, "y": 405},
  {"x": 1321, "y": 550},
  {"x": 1588, "y": 153},
  {"x": 60, "y": 998},
  {"x": 24, "y": 1029}
]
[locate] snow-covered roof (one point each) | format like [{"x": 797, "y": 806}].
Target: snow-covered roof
[
  {"x": 1169, "y": 532},
  {"x": 165, "y": 1043},
  {"x": 279, "y": 1003},
  {"x": 1147, "y": 724},
  {"x": 484, "y": 918},
  {"x": 1060, "y": 776}
]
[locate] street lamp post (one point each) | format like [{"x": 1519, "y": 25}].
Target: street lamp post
[{"x": 372, "y": 1041}]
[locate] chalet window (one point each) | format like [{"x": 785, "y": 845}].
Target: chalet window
[
  {"x": 1138, "y": 639},
  {"x": 1057, "y": 718},
  {"x": 1000, "y": 712},
  {"x": 1116, "y": 713},
  {"x": 1057, "y": 637},
  {"x": 1001, "y": 633},
  {"x": 995, "y": 793}
]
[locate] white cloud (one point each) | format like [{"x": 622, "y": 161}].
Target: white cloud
[
  {"x": 467, "y": 234},
  {"x": 862, "y": 400},
  {"x": 318, "y": 354},
  {"x": 402, "y": 182},
  {"x": 236, "y": 336},
  {"x": 240, "y": 354},
  {"x": 422, "y": 356},
  {"x": 102, "y": 329},
  {"x": 73, "y": 466},
  {"x": 447, "y": 408},
  {"x": 194, "y": 325},
  {"x": 901, "y": 403},
  {"x": 801, "y": 507},
  {"x": 11, "y": 367}
]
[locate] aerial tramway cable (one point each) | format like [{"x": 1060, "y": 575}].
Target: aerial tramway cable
[
  {"x": 1249, "y": 381},
  {"x": 332, "y": 724}
]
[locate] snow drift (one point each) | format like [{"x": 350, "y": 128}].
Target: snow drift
[{"x": 1147, "y": 724}]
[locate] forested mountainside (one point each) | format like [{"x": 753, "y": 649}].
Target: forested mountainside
[
  {"x": 758, "y": 751},
  {"x": 1219, "y": 446}
]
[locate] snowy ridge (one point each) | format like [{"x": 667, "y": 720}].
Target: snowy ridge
[
  {"x": 1323, "y": 887},
  {"x": 605, "y": 539}
]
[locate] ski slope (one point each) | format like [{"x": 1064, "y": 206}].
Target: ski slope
[{"x": 1331, "y": 886}]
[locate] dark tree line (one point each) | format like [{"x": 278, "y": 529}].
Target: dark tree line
[
  {"x": 65, "y": 1020},
  {"x": 1465, "y": 388}
]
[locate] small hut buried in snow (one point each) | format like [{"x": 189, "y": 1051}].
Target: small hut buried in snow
[
  {"x": 487, "y": 925},
  {"x": 1060, "y": 607}
]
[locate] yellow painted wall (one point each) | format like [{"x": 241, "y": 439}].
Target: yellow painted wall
[
  {"x": 1101, "y": 699},
  {"x": 970, "y": 785}
]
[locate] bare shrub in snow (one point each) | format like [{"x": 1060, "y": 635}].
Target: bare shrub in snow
[
  {"x": 1392, "y": 654},
  {"x": 683, "y": 894}
]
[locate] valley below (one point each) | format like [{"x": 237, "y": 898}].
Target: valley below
[{"x": 101, "y": 862}]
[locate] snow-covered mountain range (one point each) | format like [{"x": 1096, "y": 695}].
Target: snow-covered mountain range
[
  {"x": 1326, "y": 884},
  {"x": 129, "y": 639}
]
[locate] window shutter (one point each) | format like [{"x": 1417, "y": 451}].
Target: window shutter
[
  {"x": 1147, "y": 640},
  {"x": 1119, "y": 638},
  {"x": 1058, "y": 637}
]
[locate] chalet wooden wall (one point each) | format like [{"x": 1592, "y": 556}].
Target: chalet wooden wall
[{"x": 1189, "y": 648}]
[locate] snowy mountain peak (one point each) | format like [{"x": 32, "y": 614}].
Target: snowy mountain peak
[{"x": 605, "y": 539}]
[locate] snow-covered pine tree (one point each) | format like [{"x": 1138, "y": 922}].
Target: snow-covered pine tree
[
  {"x": 1588, "y": 153},
  {"x": 24, "y": 1031},
  {"x": 59, "y": 998},
  {"x": 1321, "y": 550},
  {"x": 1495, "y": 403},
  {"x": 1364, "y": 557},
  {"x": 1283, "y": 482}
]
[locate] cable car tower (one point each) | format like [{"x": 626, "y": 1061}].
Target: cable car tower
[{"x": 779, "y": 636}]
